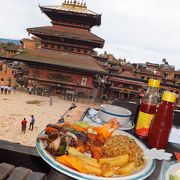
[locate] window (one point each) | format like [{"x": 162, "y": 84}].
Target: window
[{"x": 83, "y": 81}]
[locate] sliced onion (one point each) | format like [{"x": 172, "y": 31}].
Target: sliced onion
[{"x": 72, "y": 135}]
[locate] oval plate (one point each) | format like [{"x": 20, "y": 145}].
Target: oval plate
[{"x": 143, "y": 173}]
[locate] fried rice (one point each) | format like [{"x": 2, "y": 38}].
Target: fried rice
[{"x": 120, "y": 144}]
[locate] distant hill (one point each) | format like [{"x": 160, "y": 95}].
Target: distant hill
[{"x": 15, "y": 41}]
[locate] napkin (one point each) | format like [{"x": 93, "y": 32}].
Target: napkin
[
  {"x": 174, "y": 135},
  {"x": 159, "y": 154}
]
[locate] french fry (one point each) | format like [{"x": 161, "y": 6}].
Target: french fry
[
  {"x": 107, "y": 170},
  {"x": 63, "y": 160},
  {"x": 75, "y": 152},
  {"x": 89, "y": 165},
  {"x": 126, "y": 169},
  {"x": 93, "y": 170},
  {"x": 116, "y": 161},
  {"x": 90, "y": 161}
]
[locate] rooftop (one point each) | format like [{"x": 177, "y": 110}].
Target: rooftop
[
  {"x": 66, "y": 32},
  {"x": 62, "y": 59},
  {"x": 73, "y": 6}
]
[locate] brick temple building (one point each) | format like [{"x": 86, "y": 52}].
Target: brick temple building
[{"x": 59, "y": 57}]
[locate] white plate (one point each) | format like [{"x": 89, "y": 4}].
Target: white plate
[
  {"x": 128, "y": 126},
  {"x": 169, "y": 169},
  {"x": 143, "y": 173}
]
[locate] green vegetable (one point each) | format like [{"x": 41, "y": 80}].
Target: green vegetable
[
  {"x": 62, "y": 149},
  {"x": 82, "y": 124}
]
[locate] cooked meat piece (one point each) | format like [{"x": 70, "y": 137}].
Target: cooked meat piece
[
  {"x": 92, "y": 137},
  {"x": 96, "y": 151}
]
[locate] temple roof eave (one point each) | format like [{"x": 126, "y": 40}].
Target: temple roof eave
[
  {"x": 68, "y": 11},
  {"x": 61, "y": 66},
  {"x": 61, "y": 59},
  {"x": 50, "y": 12},
  {"x": 88, "y": 37}
]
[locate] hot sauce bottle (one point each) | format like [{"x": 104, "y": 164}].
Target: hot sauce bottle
[
  {"x": 162, "y": 122},
  {"x": 147, "y": 109}
]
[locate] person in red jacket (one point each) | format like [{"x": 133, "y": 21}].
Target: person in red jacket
[{"x": 23, "y": 125}]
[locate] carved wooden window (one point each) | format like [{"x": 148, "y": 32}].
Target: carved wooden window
[{"x": 83, "y": 81}]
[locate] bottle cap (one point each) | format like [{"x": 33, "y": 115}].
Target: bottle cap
[
  {"x": 169, "y": 96},
  {"x": 154, "y": 83}
]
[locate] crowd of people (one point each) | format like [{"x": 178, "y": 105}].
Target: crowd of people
[{"x": 6, "y": 89}]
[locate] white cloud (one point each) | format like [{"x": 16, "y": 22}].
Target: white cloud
[{"x": 138, "y": 30}]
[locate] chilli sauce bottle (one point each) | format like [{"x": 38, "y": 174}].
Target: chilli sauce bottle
[
  {"x": 162, "y": 123},
  {"x": 147, "y": 109}
]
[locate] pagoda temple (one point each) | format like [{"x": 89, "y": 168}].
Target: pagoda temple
[{"x": 59, "y": 57}]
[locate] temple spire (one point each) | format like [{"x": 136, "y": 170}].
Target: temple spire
[
  {"x": 75, "y": 3},
  {"x": 82, "y": 3}
]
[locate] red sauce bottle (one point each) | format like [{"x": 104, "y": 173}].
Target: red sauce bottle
[
  {"x": 162, "y": 123},
  {"x": 147, "y": 109}
]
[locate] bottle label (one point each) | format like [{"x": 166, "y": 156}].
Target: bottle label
[{"x": 143, "y": 124}]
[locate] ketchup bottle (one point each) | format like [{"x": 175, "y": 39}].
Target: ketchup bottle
[
  {"x": 147, "y": 109},
  {"x": 162, "y": 123}
]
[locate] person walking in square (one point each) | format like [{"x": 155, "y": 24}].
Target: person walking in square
[
  {"x": 51, "y": 101},
  {"x": 23, "y": 125},
  {"x": 31, "y": 125}
]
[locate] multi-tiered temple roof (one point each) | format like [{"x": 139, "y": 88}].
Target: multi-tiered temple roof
[{"x": 69, "y": 42}]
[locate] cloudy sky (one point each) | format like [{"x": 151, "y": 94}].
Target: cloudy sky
[{"x": 138, "y": 30}]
